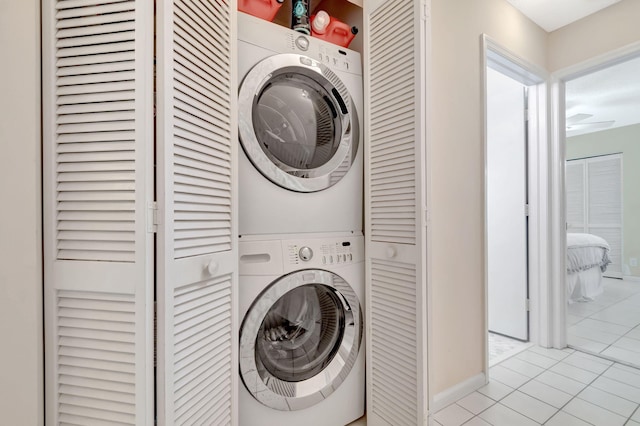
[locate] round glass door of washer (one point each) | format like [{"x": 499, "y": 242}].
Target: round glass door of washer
[
  {"x": 297, "y": 123},
  {"x": 300, "y": 339}
]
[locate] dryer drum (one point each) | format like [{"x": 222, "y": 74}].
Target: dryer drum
[
  {"x": 300, "y": 339},
  {"x": 297, "y": 122}
]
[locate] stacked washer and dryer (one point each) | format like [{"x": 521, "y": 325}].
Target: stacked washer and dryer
[{"x": 301, "y": 246}]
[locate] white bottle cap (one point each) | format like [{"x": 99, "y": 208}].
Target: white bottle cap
[{"x": 320, "y": 21}]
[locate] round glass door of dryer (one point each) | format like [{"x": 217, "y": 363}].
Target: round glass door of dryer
[
  {"x": 297, "y": 123},
  {"x": 300, "y": 339}
]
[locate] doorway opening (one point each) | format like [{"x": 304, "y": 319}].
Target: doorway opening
[
  {"x": 515, "y": 141},
  {"x": 598, "y": 155}
]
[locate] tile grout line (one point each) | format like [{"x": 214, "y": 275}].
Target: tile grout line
[
  {"x": 637, "y": 410},
  {"x": 606, "y": 357}
]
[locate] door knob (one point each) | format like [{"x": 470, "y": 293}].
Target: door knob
[
  {"x": 391, "y": 252},
  {"x": 212, "y": 268}
]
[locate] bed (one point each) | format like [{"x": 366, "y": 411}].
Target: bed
[{"x": 587, "y": 259}]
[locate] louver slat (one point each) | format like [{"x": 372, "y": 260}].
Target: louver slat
[
  {"x": 68, "y": 4},
  {"x": 95, "y": 90},
  {"x": 95, "y": 20},
  {"x": 79, "y": 36},
  {"x": 93, "y": 40},
  {"x": 102, "y": 9},
  {"x": 96, "y": 360}
]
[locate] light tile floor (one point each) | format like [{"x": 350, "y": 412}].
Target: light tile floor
[
  {"x": 502, "y": 347},
  {"x": 551, "y": 387},
  {"x": 609, "y": 325}
]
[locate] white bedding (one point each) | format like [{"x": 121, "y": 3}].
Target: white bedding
[
  {"x": 587, "y": 259},
  {"x": 584, "y": 251}
]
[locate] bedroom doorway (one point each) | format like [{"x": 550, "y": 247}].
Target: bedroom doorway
[
  {"x": 514, "y": 131},
  {"x": 602, "y": 160}
]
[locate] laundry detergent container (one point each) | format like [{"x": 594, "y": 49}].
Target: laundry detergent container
[
  {"x": 328, "y": 28},
  {"x": 265, "y": 9}
]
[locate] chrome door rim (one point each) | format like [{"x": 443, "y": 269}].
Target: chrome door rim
[
  {"x": 291, "y": 396},
  {"x": 300, "y": 180}
]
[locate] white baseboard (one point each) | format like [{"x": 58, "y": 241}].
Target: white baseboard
[
  {"x": 631, "y": 278},
  {"x": 454, "y": 393}
]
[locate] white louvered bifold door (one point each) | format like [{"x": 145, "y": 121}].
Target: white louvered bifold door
[
  {"x": 97, "y": 183},
  {"x": 197, "y": 250},
  {"x": 595, "y": 204},
  {"x": 396, "y": 48},
  {"x": 604, "y": 206}
]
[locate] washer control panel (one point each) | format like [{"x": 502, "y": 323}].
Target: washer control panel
[
  {"x": 324, "y": 252},
  {"x": 279, "y": 256}
]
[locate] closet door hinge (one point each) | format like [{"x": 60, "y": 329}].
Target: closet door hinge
[
  {"x": 526, "y": 209},
  {"x": 528, "y": 305},
  {"x": 424, "y": 6},
  {"x": 152, "y": 217}
]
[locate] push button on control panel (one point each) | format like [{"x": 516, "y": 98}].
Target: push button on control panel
[{"x": 336, "y": 254}]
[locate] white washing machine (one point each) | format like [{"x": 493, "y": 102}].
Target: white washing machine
[
  {"x": 301, "y": 340},
  {"x": 300, "y": 127}
]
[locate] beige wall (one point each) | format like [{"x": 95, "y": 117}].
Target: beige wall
[
  {"x": 21, "y": 358},
  {"x": 607, "y": 30},
  {"x": 457, "y": 159}
]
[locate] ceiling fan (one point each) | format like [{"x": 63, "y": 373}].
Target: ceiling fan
[{"x": 575, "y": 122}]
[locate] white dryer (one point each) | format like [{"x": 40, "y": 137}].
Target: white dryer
[
  {"x": 299, "y": 122},
  {"x": 301, "y": 341}
]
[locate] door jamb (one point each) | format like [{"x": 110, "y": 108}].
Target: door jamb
[{"x": 536, "y": 78}]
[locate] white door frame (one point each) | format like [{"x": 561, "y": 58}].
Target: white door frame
[
  {"x": 557, "y": 311},
  {"x": 536, "y": 78}
]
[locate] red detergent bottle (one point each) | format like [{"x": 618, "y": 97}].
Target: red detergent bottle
[
  {"x": 265, "y": 9},
  {"x": 328, "y": 28}
]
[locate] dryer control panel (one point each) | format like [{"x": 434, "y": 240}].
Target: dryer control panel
[
  {"x": 333, "y": 56},
  {"x": 279, "y": 39}
]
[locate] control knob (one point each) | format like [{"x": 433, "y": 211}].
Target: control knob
[{"x": 305, "y": 253}]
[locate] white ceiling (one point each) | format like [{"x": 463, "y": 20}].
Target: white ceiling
[
  {"x": 611, "y": 94},
  {"x": 554, "y": 14},
  {"x": 601, "y": 100}
]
